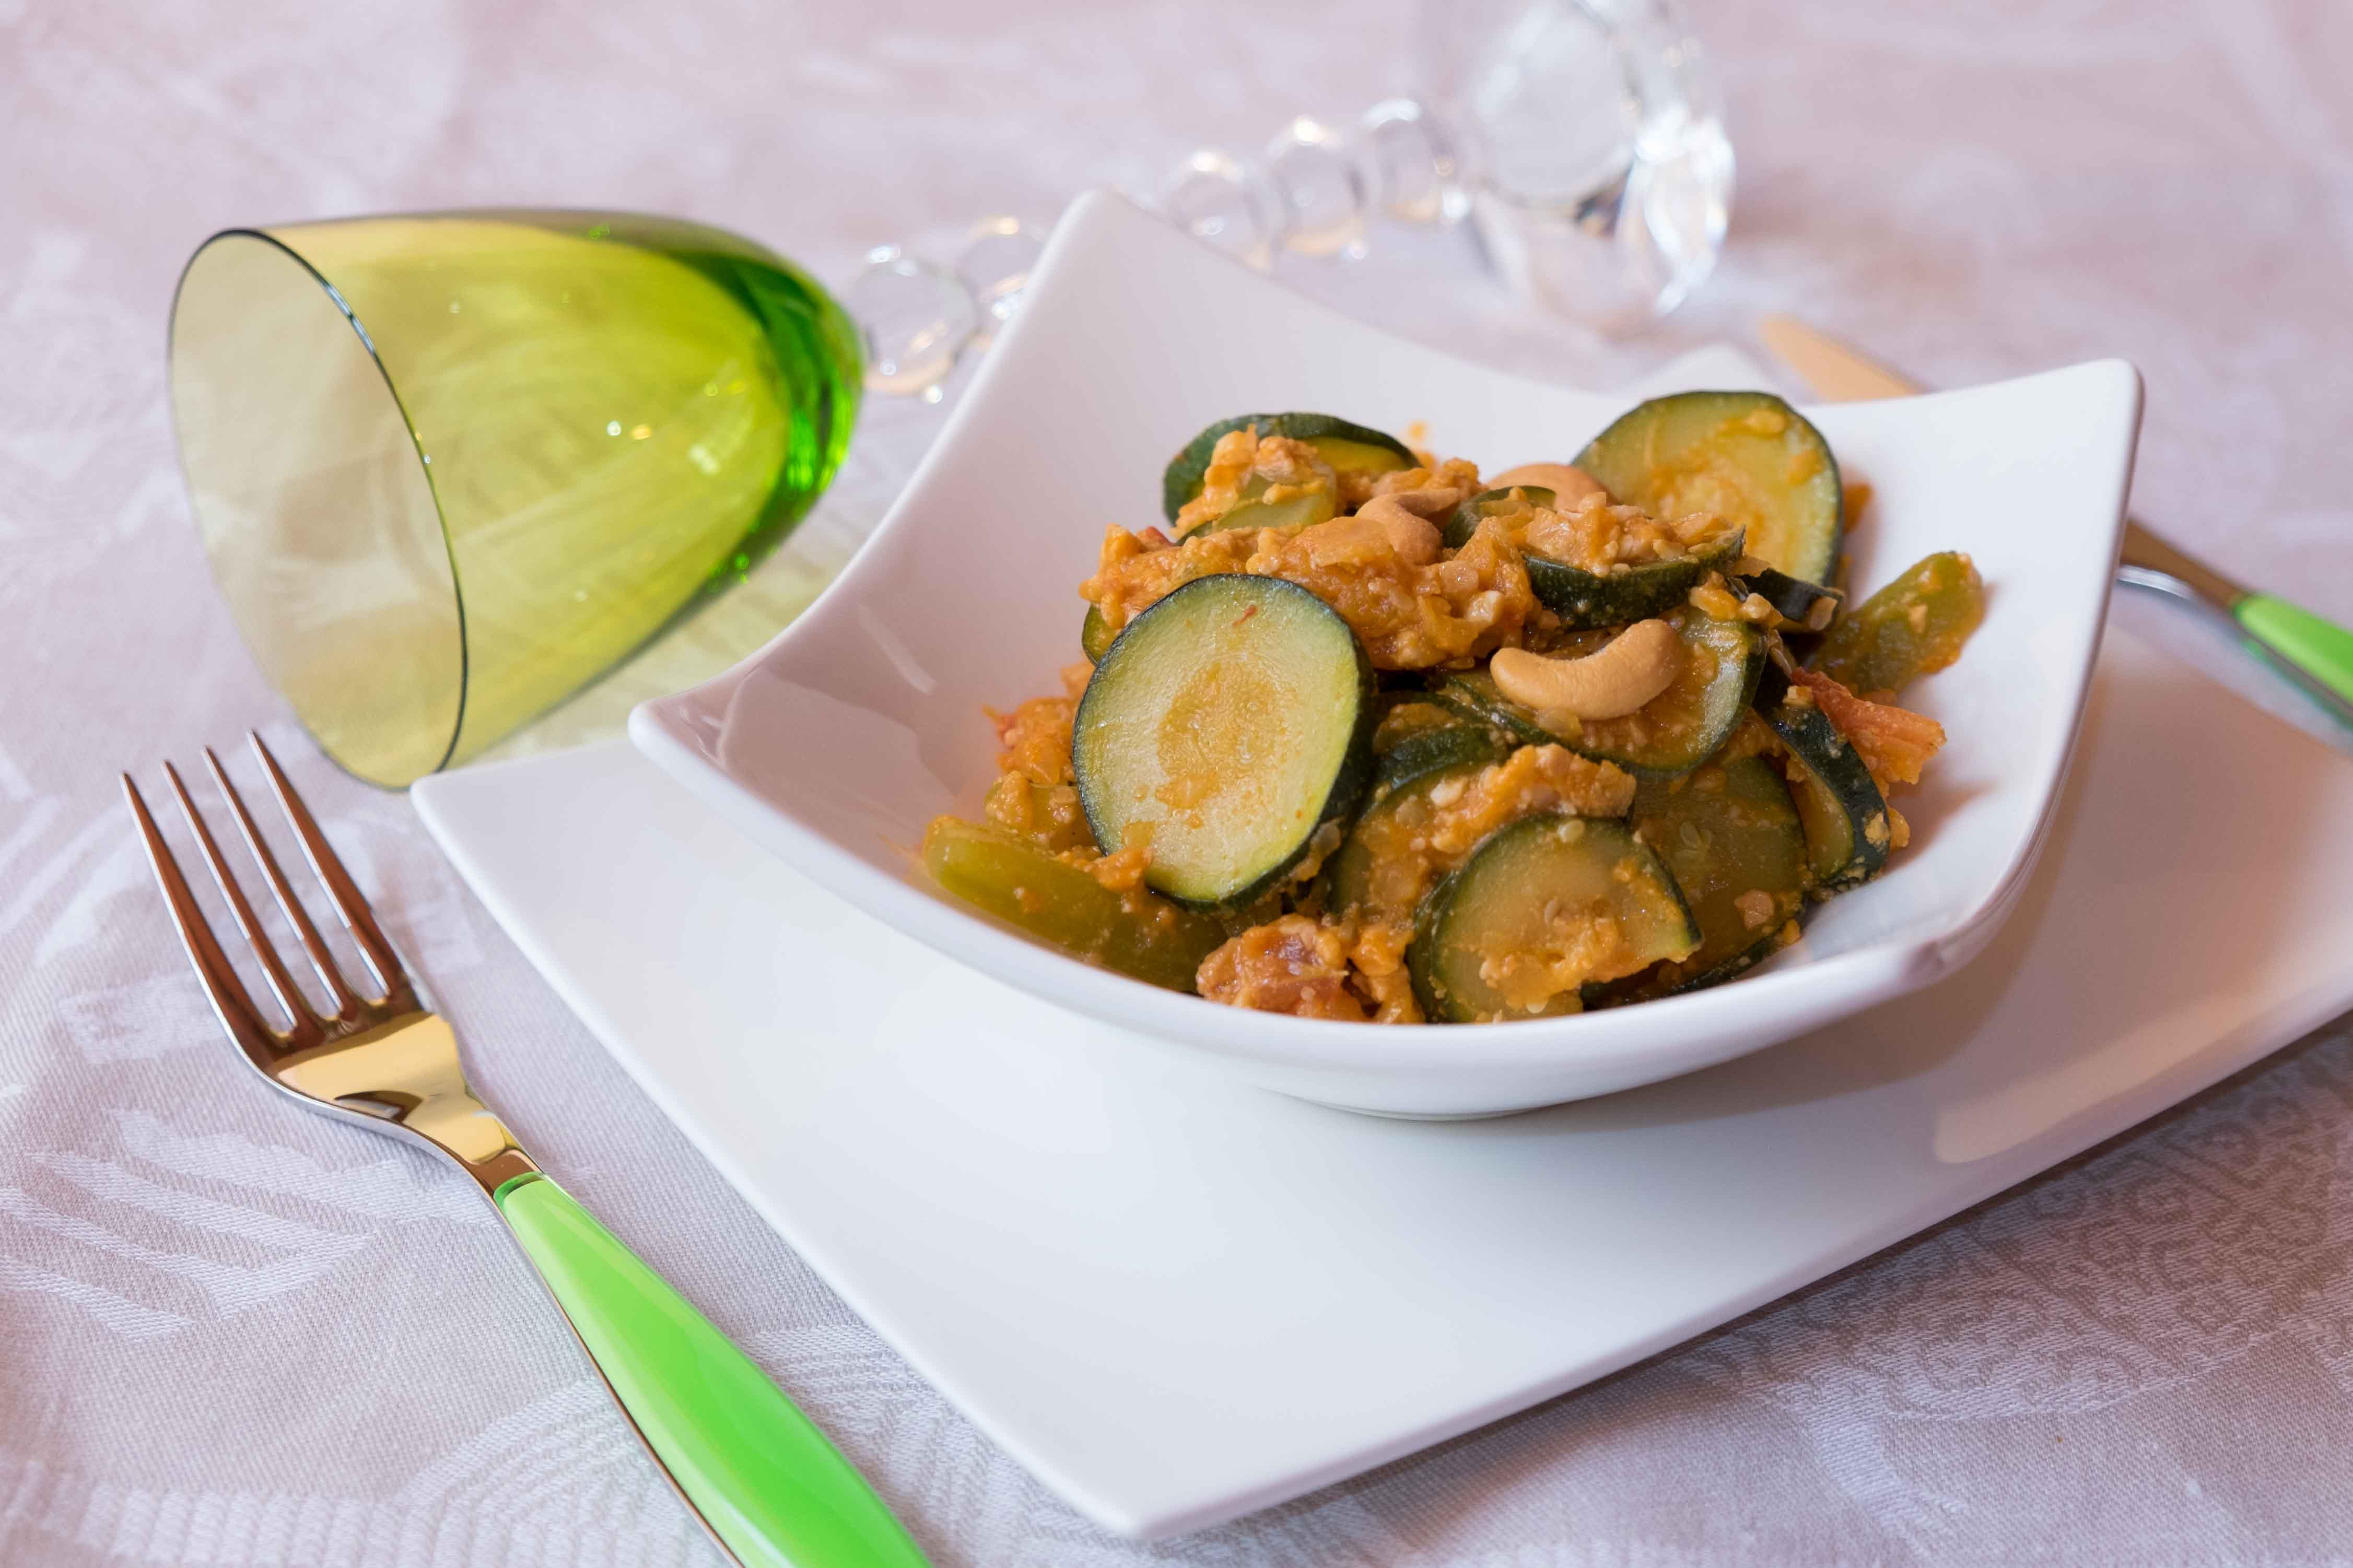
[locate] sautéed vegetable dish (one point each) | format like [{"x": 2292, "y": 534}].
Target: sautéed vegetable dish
[{"x": 1364, "y": 735}]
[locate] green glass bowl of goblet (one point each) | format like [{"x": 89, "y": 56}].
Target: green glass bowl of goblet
[{"x": 449, "y": 468}]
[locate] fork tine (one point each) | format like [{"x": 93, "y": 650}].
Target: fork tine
[
  {"x": 301, "y": 1024},
  {"x": 357, "y": 918},
  {"x": 220, "y": 981},
  {"x": 323, "y": 959}
]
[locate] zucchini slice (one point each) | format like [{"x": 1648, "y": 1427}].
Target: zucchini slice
[
  {"x": 1225, "y": 725},
  {"x": 1747, "y": 456},
  {"x": 1467, "y": 517},
  {"x": 1095, "y": 635},
  {"x": 1347, "y": 447},
  {"x": 1367, "y": 875},
  {"x": 1473, "y": 694},
  {"x": 1302, "y": 508},
  {"x": 1583, "y": 598},
  {"x": 1435, "y": 750},
  {"x": 1416, "y": 733},
  {"x": 1844, "y": 815},
  {"x": 1026, "y": 887},
  {"x": 1808, "y": 607},
  {"x": 1914, "y": 627},
  {"x": 1731, "y": 839},
  {"x": 1401, "y": 713},
  {"x": 1673, "y": 732},
  {"x": 1542, "y": 908}
]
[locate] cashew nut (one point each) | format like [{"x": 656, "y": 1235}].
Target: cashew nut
[
  {"x": 1637, "y": 664},
  {"x": 1568, "y": 484},
  {"x": 1432, "y": 501},
  {"x": 1413, "y": 536}
]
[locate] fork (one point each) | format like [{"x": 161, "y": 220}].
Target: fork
[{"x": 754, "y": 1471}]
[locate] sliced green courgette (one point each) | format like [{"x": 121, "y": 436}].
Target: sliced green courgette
[
  {"x": 1095, "y": 635},
  {"x": 1416, "y": 732},
  {"x": 1023, "y": 885},
  {"x": 1808, "y": 606},
  {"x": 1542, "y": 909},
  {"x": 1731, "y": 839},
  {"x": 1347, "y": 447},
  {"x": 1374, "y": 872},
  {"x": 1303, "y": 508},
  {"x": 1673, "y": 732},
  {"x": 1844, "y": 815},
  {"x": 1583, "y": 598},
  {"x": 1431, "y": 751},
  {"x": 1914, "y": 627},
  {"x": 1746, "y": 457},
  {"x": 1222, "y": 727},
  {"x": 1473, "y": 694},
  {"x": 1470, "y": 513},
  {"x": 1690, "y": 721},
  {"x": 1401, "y": 713}
]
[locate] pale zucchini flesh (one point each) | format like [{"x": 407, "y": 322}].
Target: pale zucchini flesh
[
  {"x": 1303, "y": 508},
  {"x": 1220, "y": 729},
  {"x": 1746, "y": 457},
  {"x": 1346, "y": 446},
  {"x": 1028, "y": 887},
  {"x": 1354, "y": 877},
  {"x": 1543, "y": 908}
]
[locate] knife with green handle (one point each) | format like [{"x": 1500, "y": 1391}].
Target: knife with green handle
[{"x": 2312, "y": 653}]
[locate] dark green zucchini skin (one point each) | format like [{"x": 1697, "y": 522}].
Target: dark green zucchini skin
[
  {"x": 1439, "y": 983},
  {"x": 1349, "y": 780},
  {"x": 1585, "y": 599},
  {"x": 1474, "y": 694},
  {"x": 1796, "y": 533},
  {"x": 1844, "y": 815},
  {"x": 1181, "y": 481},
  {"x": 1792, "y": 599},
  {"x": 1738, "y": 646},
  {"x": 1433, "y": 750}
]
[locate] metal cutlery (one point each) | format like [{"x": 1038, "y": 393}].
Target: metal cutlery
[{"x": 770, "y": 1488}]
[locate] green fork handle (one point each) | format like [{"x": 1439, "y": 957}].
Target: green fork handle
[
  {"x": 765, "y": 1480},
  {"x": 2308, "y": 649}
]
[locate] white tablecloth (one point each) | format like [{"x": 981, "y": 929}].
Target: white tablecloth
[{"x": 231, "y": 1333}]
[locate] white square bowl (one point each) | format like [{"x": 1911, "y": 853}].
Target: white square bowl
[{"x": 836, "y": 743}]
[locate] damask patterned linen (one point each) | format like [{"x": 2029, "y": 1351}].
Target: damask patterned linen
[{"x": 231, "y": 1333}]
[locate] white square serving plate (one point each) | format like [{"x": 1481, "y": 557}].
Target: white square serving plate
[{"x": 836, "y": 743}]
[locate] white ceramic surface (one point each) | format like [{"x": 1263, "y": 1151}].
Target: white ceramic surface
[
  {"x": 836, "y": 743},
  {"x": 1175, "y": 1299}
]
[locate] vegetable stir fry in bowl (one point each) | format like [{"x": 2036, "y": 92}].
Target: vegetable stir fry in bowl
[{"x": 1363, "y": 734}]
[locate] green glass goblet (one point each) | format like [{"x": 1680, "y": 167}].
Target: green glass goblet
[{"x": 449, "y": 468}]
